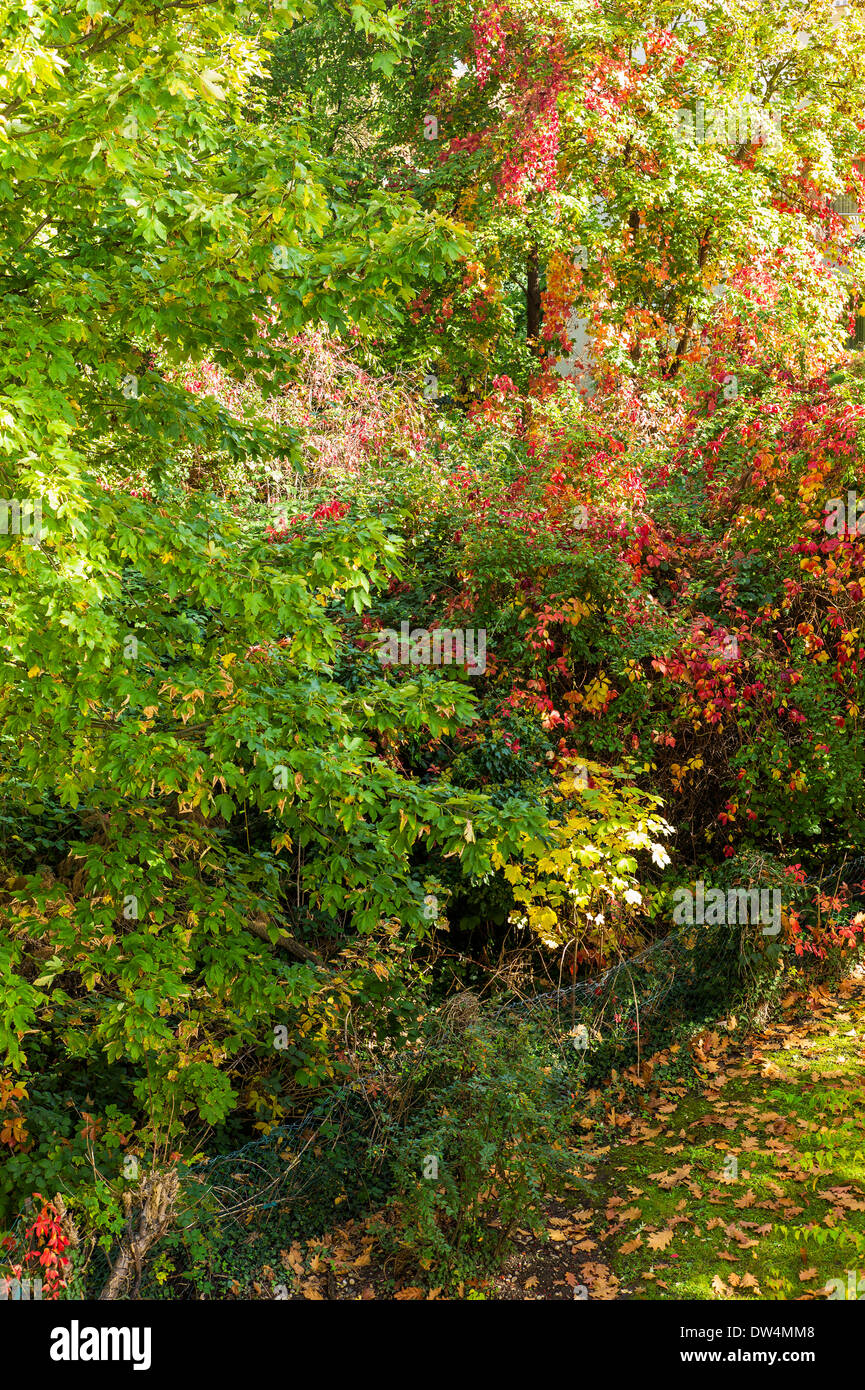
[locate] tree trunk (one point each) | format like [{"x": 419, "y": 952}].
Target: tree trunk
[
  {"x": 287, "y": 942},
  {"x": 157, "y": 1195}
]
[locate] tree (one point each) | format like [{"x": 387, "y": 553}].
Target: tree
[{"x": 168, "y": 669}]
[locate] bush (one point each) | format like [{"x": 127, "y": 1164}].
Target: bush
[{"x": 477, "y": 1138}]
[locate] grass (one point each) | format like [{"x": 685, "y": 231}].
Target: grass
[{"x": 752, "y": 1184}]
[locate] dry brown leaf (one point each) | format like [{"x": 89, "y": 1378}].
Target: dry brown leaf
[{"x": 659, "y": 1240}]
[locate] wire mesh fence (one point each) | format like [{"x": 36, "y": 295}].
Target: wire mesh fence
[{"x": 623, "y": 1000}]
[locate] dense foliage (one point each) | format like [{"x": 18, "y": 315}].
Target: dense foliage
[{"x": 288, "y": 300}]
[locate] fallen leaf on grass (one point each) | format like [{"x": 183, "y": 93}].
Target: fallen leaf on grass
[
  {"x": 737, "y": 1234},
  {"x": 667, "y": 1180},
  {"x": 659, "y": 1240}
]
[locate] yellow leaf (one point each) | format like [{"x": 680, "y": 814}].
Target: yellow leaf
[{"x": 209, "y": 81}]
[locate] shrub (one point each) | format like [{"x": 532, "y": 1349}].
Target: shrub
[{"x": 477, "y": 1136}]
